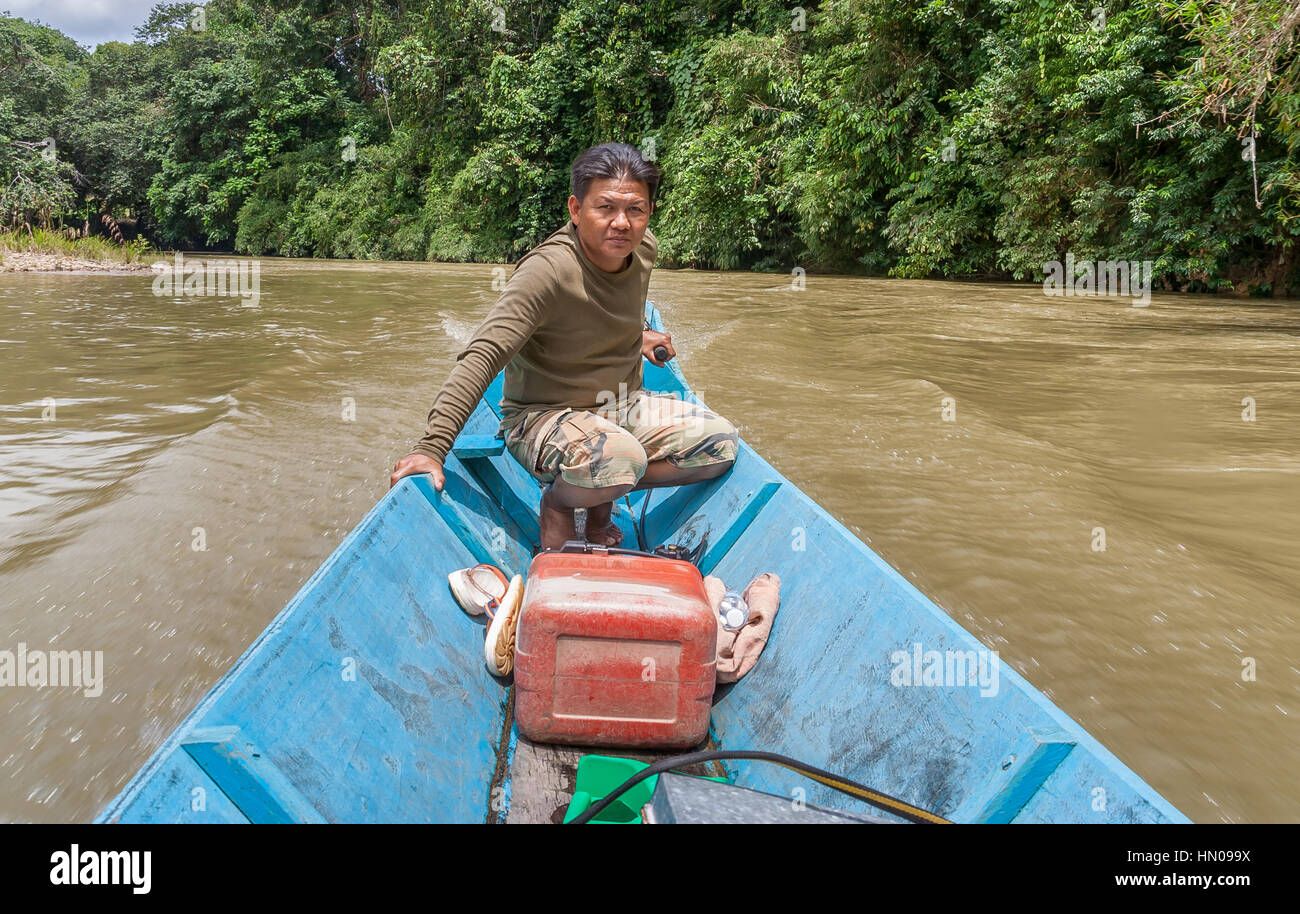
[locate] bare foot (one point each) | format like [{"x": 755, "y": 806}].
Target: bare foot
[
  {"x": 599, "y": 528},
  {"x": 556, "y": 522}
]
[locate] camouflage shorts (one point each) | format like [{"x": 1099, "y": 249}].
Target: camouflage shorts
[{"x": 596, "y": 448}]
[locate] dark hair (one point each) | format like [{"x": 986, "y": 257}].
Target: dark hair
[{"x": 615, "y": 161}]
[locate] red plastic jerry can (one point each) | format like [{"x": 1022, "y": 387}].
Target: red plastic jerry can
[{"x": 615, "y": 650}]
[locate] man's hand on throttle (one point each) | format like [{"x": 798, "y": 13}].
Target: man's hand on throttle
[{"x": 652, "y": 338}]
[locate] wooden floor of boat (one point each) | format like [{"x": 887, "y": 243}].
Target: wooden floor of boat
[{"x": 543, "y": 778}]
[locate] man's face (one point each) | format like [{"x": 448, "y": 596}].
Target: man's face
[{"x": 611, "y": 220}]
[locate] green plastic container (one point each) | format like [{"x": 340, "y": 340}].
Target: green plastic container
[{"x": 599, "y": 775}]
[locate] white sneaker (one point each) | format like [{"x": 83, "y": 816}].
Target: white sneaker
[{"x": 478, "y": 590}]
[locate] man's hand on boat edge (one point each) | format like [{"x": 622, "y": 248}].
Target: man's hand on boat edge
[{"x": 412, "y": 464}]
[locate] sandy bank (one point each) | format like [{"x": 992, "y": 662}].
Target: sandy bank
[{"x": 30, "y": 262}]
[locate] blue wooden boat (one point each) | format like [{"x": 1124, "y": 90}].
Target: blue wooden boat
[{"x": 367, "y": 700}]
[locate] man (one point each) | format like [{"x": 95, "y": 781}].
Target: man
[{"x": 569, "y": 330}]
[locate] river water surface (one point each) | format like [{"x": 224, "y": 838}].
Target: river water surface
[{"x": 179, "y": 423}]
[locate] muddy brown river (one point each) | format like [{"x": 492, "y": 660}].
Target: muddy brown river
[{"x": 174, "y": 468}]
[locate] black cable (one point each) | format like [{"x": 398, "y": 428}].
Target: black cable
[
  {"x": 843, "y": 785},
  {"x": 640, "y": 530}
]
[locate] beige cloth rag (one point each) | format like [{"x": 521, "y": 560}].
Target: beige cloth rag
[{"x": 738, "y": 651}]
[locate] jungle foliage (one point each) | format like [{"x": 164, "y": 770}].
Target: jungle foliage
[{"x": 941, "y": 138}]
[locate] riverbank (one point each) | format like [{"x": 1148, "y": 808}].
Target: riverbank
[
  {"x": 26, "y": 262},
  {"x": 47, "y": 252}
]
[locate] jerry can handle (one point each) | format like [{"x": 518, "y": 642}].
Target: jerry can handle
[{"x": 673, "y": 551}]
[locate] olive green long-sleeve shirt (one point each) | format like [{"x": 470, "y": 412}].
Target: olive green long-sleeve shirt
[{"x": 567, "y": 333}]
